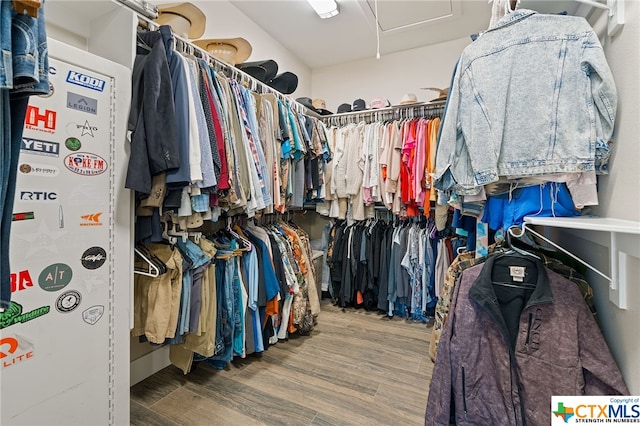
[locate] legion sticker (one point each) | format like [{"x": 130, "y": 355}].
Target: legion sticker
[
  {"x": 73, "y": 144},
  {"x": 82, "y": 103},
  {"x": 93, "y": 314},
  {"x": 93, "y": 257},
  {"x": 55, "y": 277},
  {"x": 68, "y": 301},
  {"x": 85, "y": 164}
]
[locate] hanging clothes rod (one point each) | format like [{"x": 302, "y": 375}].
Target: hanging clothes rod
[
  {"x": 427, "y": 106},
  {"x": 236, "y": 73},
  {"x": 415, "y": 110}
]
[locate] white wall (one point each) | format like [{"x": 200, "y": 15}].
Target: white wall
[
  {"x": 224, "y": 20},
  {"x": 619, "y": 194},
  {"x": 389, "y": 77}
]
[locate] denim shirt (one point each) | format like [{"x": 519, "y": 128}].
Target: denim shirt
[{"x": 533, "y": 95}]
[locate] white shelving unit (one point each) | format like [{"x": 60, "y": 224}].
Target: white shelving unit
[{"x": 618, "y": 255}]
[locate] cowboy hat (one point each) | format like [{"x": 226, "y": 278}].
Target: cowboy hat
[
  {"x": 286, "y": 82},
  {"x": 308, "y": 103},
  {"x": 442, "y": 93},
  {"x": 321, "y": 106},
  {"x": 408, "y": 99},
  {"x": 197, "y": 20},
  {"x": 264, "y": 70},
  {"x": 229, "y": 50}
]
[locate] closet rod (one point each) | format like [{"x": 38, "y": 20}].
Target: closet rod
[
  {"x": 235, "y": 71},
  {"x": 427, "y": 106}
]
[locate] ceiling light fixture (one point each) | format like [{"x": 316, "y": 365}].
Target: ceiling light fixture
[{"x": 324, "y": 8}]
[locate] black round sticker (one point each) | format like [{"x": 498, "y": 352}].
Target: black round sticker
[
  {"x": 93, "y": 257},
  {"x": 68, "y": 301}
]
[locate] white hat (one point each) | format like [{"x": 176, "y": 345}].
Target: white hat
[
  {"x": 409, "y": 98},
  {"x": 230, "y": 50},
  {"x": 169, "y": 13}
]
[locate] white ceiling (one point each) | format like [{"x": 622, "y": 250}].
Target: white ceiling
[{"x": 352, "y": 34}]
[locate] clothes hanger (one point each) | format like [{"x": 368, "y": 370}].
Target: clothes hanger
[
  {"x": 247, "y": 246},
  {"x": 195, "y": 235},
  {"x": 516, "y": 232},
  {"x": 27, "y": 7},
  {"x": 142, "y": 44},
  {"x": 152, "y": 268}
]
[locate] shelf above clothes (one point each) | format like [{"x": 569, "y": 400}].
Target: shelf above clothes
[
  {"x": 614, "y": 8},
  {"x": 618, "y": 257}
]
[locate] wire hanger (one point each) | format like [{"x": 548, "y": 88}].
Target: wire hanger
[
  {"x": 516, "y": 232},
  {"x": 247, "y": 246}
]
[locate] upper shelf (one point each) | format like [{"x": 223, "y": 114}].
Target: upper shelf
[
  {"x": 589, "y": 223},
  {"x": 618, "y": 253}
]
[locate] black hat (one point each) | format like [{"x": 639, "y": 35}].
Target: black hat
[
  {"x": 286, "y": 82},
  {"x": 307, "y": 103},
  {"x": 359, "y": 105},
  {"x": 264, "y": 70},
  {"x": 344, "y": 108}
]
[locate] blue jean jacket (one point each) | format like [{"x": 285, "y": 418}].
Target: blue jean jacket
[{"x": 533, "y": 95}]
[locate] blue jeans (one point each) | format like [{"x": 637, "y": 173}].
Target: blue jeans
[
  {"x": 13, "y": 114},
  {"x": 24, "y": 70}
]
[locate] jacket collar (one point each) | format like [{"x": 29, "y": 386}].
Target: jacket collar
[
  {"x": 512, "y": 18},
  {"x": 482, "y": 289},
  {"x": 483, "y": 293}
]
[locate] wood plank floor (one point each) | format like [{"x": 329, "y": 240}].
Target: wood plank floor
[{"x": 357, "y": 368}]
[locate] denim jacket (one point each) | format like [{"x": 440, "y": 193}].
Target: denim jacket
[
  {"x": 533, "y": 95},
  {"x": 24, "y": 59}
]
